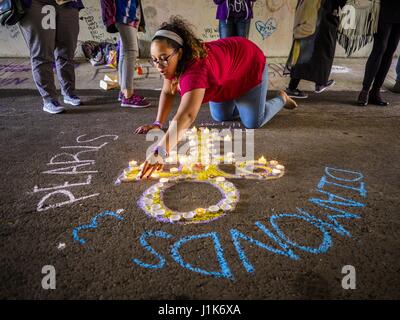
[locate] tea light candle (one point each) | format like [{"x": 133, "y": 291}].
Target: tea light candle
[
  {"x": 164, "y": 180},
  {"x": 220, "y": 179},
  {"x": 174, "y": 170},
  {"x": 193, "y": 143},
  {"x": 213, "y": 209},
  {"x": 133, "y": 163},
  {"x": 280, "y": 167},
  {"x": 160, "y": 212},
  {"x": 276, "y": 171},
  {"x": 273, "y": 162},
  {"x": 226, "y": 207},
  {"x": 175, "y": 217},
  {"x": 262, "y": 160},
  {"x": 200, "y": 211},
  {"x": 189, "y": 215},
  {"x": 155, "y": 207}
]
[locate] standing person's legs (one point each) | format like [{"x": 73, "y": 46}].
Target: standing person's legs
[
  {"x": 398, "y": 69},
  {"x": 253, "y": 108},
  {"x": 396, "y": 87},
  {"x": 41, "y": 44},
  {"x": 243, "y": 28},
  {"x": 386, "y": 60},
  {"x": 128, "y": 54},
  {"x": 67, "y": 30},
  {"x": 372, "y": 66},
  {"x": 293, "y": 91},
  {"x": 381, "y": 39},
  {"x": 226, "y": 29}
]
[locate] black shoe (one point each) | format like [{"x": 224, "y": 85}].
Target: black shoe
[
  {"x": 322, "y": 87},
  {"x": 396, "y": 87},
  {"x": 363, "y": 98},
  {"x": 296, "y": 93},
  {"x": 376, "y": 99}
]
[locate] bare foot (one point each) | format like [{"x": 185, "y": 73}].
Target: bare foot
[{"x": 289, "y": 102}]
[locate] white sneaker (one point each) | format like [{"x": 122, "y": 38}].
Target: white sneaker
[
  {"x": 53, "y": 107},
  {"x": 72, "y": 100}
]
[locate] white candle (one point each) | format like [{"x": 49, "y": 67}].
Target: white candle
[
  {"x": 280, "y": 167},
  {"x": 175, "y": 217},
  {"x": 262, "y": 160},
  {"x": 133, "y": 163},
  {"x": 213, "y": 209},
  {"x": 189, "y": 215},
  {"x": 164, "y": 180},
  {"x": 276, "y": 171},
  {"x": 220, "y": 179},
  {"x": 226, "y": 207},
  {"x": 193, "y": 143},
  {"x": 273, "y": 162},
  {"x": 173, "y": 170},
  {"x": 160, "y": 212}
]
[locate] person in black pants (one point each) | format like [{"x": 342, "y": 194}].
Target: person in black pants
[{"x": 385, "y": 43}]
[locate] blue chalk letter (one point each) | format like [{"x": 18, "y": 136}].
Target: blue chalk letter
[{"x": 225, "y": 272}]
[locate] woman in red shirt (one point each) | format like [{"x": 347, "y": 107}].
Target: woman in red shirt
[{"x": 231, "y": 74}]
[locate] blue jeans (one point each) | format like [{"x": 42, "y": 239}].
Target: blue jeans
[
  {"x": 398, "y": 70},
  {"x": 252, "y": 108},
  {"x": 234, "y": 29}
]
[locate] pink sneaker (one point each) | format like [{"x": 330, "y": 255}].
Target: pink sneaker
[{"x": 135, "y": 101}]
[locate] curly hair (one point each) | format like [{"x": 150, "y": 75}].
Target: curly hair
[{"x": 193, "y": 48}]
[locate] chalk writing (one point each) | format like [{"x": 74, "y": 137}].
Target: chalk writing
[
  {"x": 73, "y": 165},
  {"x": 328, "y": 208},
  {"x": 94, "y": 225}
]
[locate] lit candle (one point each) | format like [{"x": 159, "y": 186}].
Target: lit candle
[
  {"x": 174, "y": 170},
  {"x": 206, "y": 131},
  {"x": 280, "y": 167},
  {"x": 194, "y": 129},
  {"x": 273, "y": 162},
  {"x": 160, "y": 212},
  {"x": 276, "y": 171},
  {"x": 155, "y": 175},
  {"x": 227, "y": 138},
  {"x": 200, "y": 211},
  {"x": 226, "y": 207},
  {"x": 155, "y": 207},
  {"x": 189, "y": 215},
  {"x": 193, "y": 143},
  {"x": 213, "y": 209},
  {"x": 220, "y": 179},
  {"x": 133, "y": 163},
  {"x": 164, "y": 180},
  {"x": 175, "y": 217},
  {"x": 230, "y": 154},
  {"x": 262, "y": 160}
]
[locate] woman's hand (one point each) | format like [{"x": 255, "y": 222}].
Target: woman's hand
[
  {"x": 153, "y": 162},
  {"x": 146, "y": 128}
]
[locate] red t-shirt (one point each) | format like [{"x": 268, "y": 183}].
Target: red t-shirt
[{"x": 232, "y": 67}]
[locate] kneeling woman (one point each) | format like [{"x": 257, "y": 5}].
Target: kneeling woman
[{"x": 231, "y": 74}]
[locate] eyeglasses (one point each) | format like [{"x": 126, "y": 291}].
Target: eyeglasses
[{"x": 163, "y": 62}]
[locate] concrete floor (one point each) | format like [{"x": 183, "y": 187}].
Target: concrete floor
[{"x": 313, "y": 221}]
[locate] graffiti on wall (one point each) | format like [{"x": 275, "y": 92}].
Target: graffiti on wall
[{"x": 266, "y": 29}]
